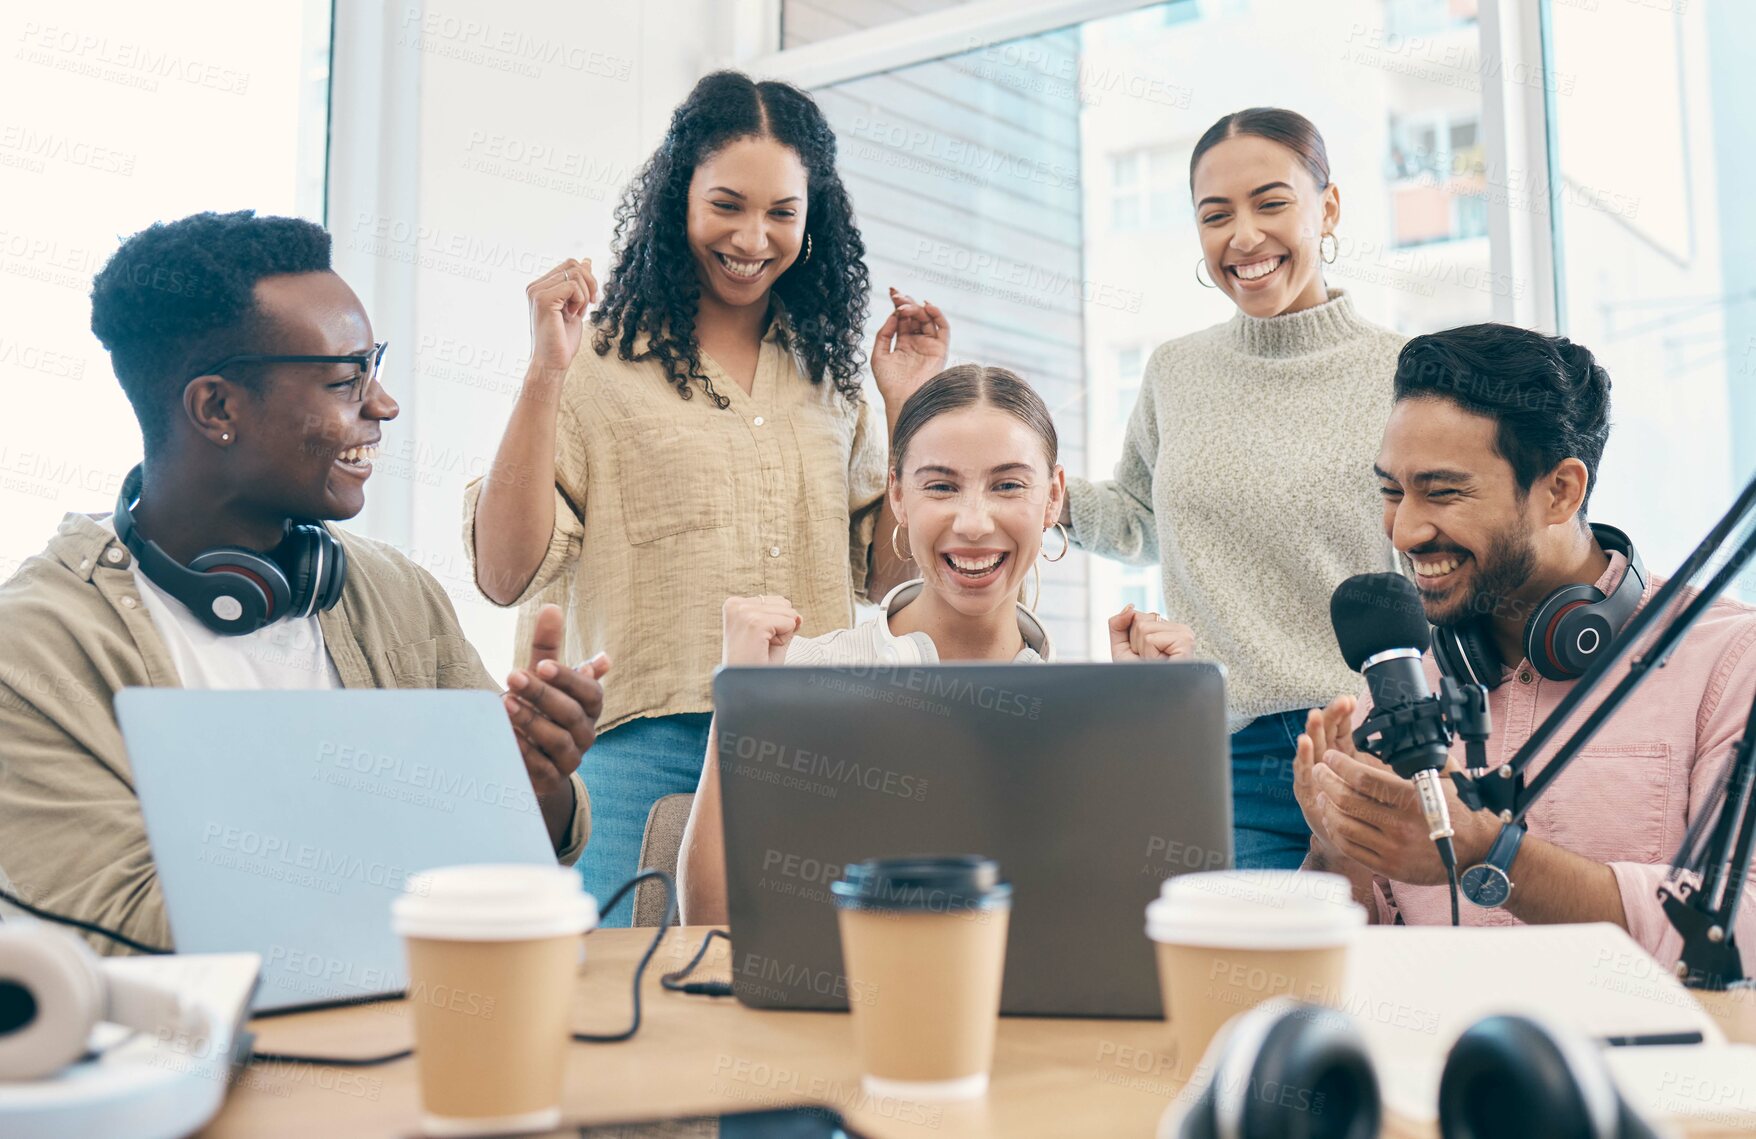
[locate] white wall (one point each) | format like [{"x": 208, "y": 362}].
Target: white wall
[
  {"x": 475, "y": 145},
  {"x": 112, "y": 117}
]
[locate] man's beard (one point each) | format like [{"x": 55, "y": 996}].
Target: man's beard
[{"x": 1501, "y": 570}]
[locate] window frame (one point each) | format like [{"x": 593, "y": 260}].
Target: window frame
[
  {"x": 374, "y": 172},
  {"x": 1515, "y": 128},
  {"x": 1516, "y": 124}
]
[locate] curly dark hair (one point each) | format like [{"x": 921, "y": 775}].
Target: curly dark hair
[
  {"x": 652, "y": 285},
  {"x": 179, "y": 296}
]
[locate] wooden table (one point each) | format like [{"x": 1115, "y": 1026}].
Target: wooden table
[
  {"x": 1052, "y": 1077},
  {"x": 703, "y": 1055}
]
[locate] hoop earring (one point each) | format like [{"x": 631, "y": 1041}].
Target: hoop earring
[
  {"x": 807, "y": 259},
  {"x": 1333, "y": 248},
  {"x": 900, "y": 556},
  {"x": 1205, "y": 283},
  {"x": 1036, "y": 587},
  {"x": 1066, "y": 544}
]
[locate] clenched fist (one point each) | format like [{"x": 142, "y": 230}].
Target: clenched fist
[
  {"x": 1137, "y": 636},
  {"x": 758, "y": 629},
  {"x": 558, "y": 300}
]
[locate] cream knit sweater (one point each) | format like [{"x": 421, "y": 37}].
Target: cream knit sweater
[{"x": 1247, "y": 475}]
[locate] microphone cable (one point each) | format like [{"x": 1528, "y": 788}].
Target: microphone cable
[
  {"x": 626, "y": 889},
  {"x": 675, "y": 983},
  {"x": 1430, "y": 795},
  {"x": 88, "y": 927},
  {"x": 1448, "y": 855}
]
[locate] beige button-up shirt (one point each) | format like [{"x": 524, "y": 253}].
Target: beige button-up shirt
[
  {"x": 73, "y": 633},
  {"x": 665, "y": 507}
]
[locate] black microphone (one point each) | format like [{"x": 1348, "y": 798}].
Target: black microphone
[{"x": 1382, "y": 631}]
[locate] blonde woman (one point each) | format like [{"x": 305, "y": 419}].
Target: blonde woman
[{"x": 975, "y": 485}]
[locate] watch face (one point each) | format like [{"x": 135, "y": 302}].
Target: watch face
[{"x": 1485, "y": 886}]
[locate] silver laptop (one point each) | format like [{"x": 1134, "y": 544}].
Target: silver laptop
[
  {"x": 1089, "y": 783},
  {"x": 284, "y": 823}
]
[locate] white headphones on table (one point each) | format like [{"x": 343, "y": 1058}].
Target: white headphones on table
[{"x": 54, "y": 990}]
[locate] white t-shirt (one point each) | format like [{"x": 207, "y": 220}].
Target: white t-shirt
[
  {"x": 872, "y": 642},
  {"x": 283, "y": 654}
]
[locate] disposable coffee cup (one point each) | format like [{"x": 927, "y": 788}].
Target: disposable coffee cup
[
  {"x": 923, "y": 944},
  {"x": 1230, "y": 939},
  {"x": 493, "y": 953}
]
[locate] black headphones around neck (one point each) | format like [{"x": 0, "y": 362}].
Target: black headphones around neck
[
  {"x": 233, "y": 590},
  {"x": 1569, "y": 632}
]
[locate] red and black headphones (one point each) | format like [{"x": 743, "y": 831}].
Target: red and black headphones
[
  {"x": 1569, "y": 632},
  {"x": 233, "y": 590}
]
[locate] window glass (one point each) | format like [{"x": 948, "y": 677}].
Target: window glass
[
  {"x": 119, "y": 115},
  {"x": 1038, "y": 190},
  {"x": 1657, "y": 154}
]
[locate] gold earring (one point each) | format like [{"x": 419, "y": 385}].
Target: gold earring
[
  {"x": 807, "y": 260},
  {"x": 900, "y": 556},
  {"x": 1036, "y": 586},
  {"x": 1066, "y": 544},
  {"x": 1334, "y": 248},
  {"x": 1205, "y": 283}
]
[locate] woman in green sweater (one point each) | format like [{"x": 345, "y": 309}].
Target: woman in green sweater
[{"x": 1247, "y": 468}]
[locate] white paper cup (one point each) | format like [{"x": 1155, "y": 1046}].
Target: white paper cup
[
  {"x": 1231, "y": 939},
  {"x": 493, "y": 952}
]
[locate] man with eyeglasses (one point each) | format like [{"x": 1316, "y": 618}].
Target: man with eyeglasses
[{"x": 252, "y": 370}]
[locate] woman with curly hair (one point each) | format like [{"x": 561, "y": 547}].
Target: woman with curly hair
[{"x": 713, "y": 442}]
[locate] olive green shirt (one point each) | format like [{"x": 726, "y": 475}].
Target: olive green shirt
[{"x": 73, "y": 632}]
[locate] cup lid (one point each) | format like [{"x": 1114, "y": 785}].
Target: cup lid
[
  {"x": 1255, "y": 909},
  {"x": 494, "y": 902},
  {"x": 922, "y": 882}
]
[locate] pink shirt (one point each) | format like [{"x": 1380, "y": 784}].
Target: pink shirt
[{"x": 1628, "y": 796}]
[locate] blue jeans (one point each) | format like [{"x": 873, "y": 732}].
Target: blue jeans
[
  {"x": 1268, "y": 829},
  {"x": 627, "y": 769}
]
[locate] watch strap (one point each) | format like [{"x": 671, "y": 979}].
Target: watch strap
[{"x": 1505, "y": 848}]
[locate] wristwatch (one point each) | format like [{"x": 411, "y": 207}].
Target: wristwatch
[{"x": 1489, "y": 883}]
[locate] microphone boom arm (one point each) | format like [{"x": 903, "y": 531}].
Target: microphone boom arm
[
  {"x": 1706, "y": 913},
  {"x": 1641, "y": 666},
  {"x": 1702, "y": 915}
]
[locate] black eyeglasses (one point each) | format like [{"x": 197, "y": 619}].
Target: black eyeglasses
[{"x": 366, "y": 363}]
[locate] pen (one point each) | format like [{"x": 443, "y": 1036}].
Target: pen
[{"x": 1653, "y": 1038}]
